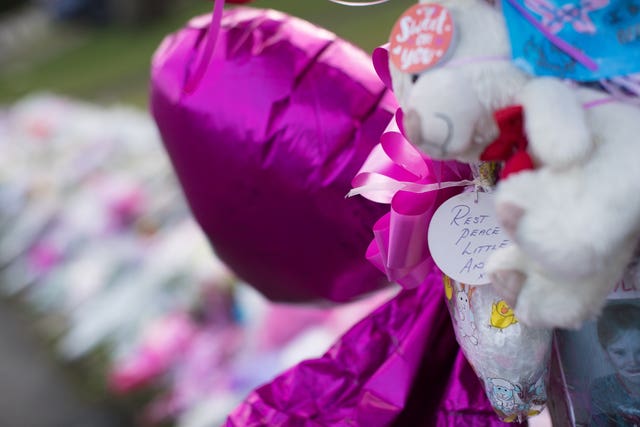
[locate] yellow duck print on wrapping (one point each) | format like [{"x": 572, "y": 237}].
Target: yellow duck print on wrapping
[
  {"x": 448, "y": 287},
  {"x": 502, "y": 315},
  {"x": 507, "y": 355}
]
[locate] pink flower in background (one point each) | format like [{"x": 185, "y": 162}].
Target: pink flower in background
[
  {"x": 204, "y": 369},
  {"x": 162, "y": 344},
  {"x": 44, "y": 256},
  {"x": 283, "y": 322}
]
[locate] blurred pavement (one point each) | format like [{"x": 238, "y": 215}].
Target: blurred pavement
[{"x": 34, "y": 390}]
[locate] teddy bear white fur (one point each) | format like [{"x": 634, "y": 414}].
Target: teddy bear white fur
[{"x": 575, "y": 218}]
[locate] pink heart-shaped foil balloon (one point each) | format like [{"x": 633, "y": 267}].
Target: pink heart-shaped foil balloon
[{"x": 266, "y": 145}]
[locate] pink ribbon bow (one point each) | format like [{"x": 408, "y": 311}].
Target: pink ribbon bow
[{"x": 414, "y": 185}]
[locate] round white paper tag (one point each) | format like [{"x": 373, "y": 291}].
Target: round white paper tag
[{"x": 463, "y": 232}]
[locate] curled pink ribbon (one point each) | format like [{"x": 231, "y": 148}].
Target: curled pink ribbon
[{"x": 414, "y": 185}]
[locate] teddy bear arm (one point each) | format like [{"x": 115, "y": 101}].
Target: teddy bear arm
[
  {"x": 549, "y": 302},
  {"x": 541, "y": 300},
  {"x": 555, "y": 124}
]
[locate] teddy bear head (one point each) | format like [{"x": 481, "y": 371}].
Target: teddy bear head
[{"x": 448, "y": 107}]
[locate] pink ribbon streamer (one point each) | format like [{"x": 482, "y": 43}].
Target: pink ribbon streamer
[{"x": 211, "y": 38}]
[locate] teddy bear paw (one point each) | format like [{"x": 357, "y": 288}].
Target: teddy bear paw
[
  {"x": 546, "y": 225},
  {"x": 547, "y": 302},
  {"x": 537, "y": 299},
  {"x": 507, "y": 284},
  {"x": 551, "y": 307},
  {"x": 505, "y": 270},
  {"x": 509, "y": 216},
  {"x": 557, "y": 147}
]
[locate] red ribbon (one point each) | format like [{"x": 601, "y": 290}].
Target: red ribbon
[{"x": 511, "y": 145}]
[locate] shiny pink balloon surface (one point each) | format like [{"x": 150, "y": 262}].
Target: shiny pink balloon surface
[{"x": 266, "y": 145}]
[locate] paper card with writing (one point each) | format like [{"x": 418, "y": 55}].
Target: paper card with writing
[
  {"x": 463, "y": 233},
  {"x": 421, "y": 38}
]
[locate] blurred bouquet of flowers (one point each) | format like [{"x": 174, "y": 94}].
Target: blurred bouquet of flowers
[{"x": 96, "y": 238}]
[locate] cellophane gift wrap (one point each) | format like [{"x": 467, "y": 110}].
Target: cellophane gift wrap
[
  {"x": 511, "y": 359},
  {"x": 266, "y": 128}
]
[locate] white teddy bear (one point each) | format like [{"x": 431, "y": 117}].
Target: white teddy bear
[{"x": 575, "y": 218}]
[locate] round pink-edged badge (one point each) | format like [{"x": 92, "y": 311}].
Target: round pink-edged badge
[{"x": 421, "y": 38}]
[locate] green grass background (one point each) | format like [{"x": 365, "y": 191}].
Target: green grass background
[{"x": 112, "y": 64}]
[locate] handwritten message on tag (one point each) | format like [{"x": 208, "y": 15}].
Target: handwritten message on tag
[
  {"x": 463, "y": 233},
  {"x": 421, "y": 38},
  {"x": 628, "y": 287}
]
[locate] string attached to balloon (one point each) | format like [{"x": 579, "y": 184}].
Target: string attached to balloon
[
  {"x": 359, "y": 3},
  {"x": 211, "y": 38}
]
